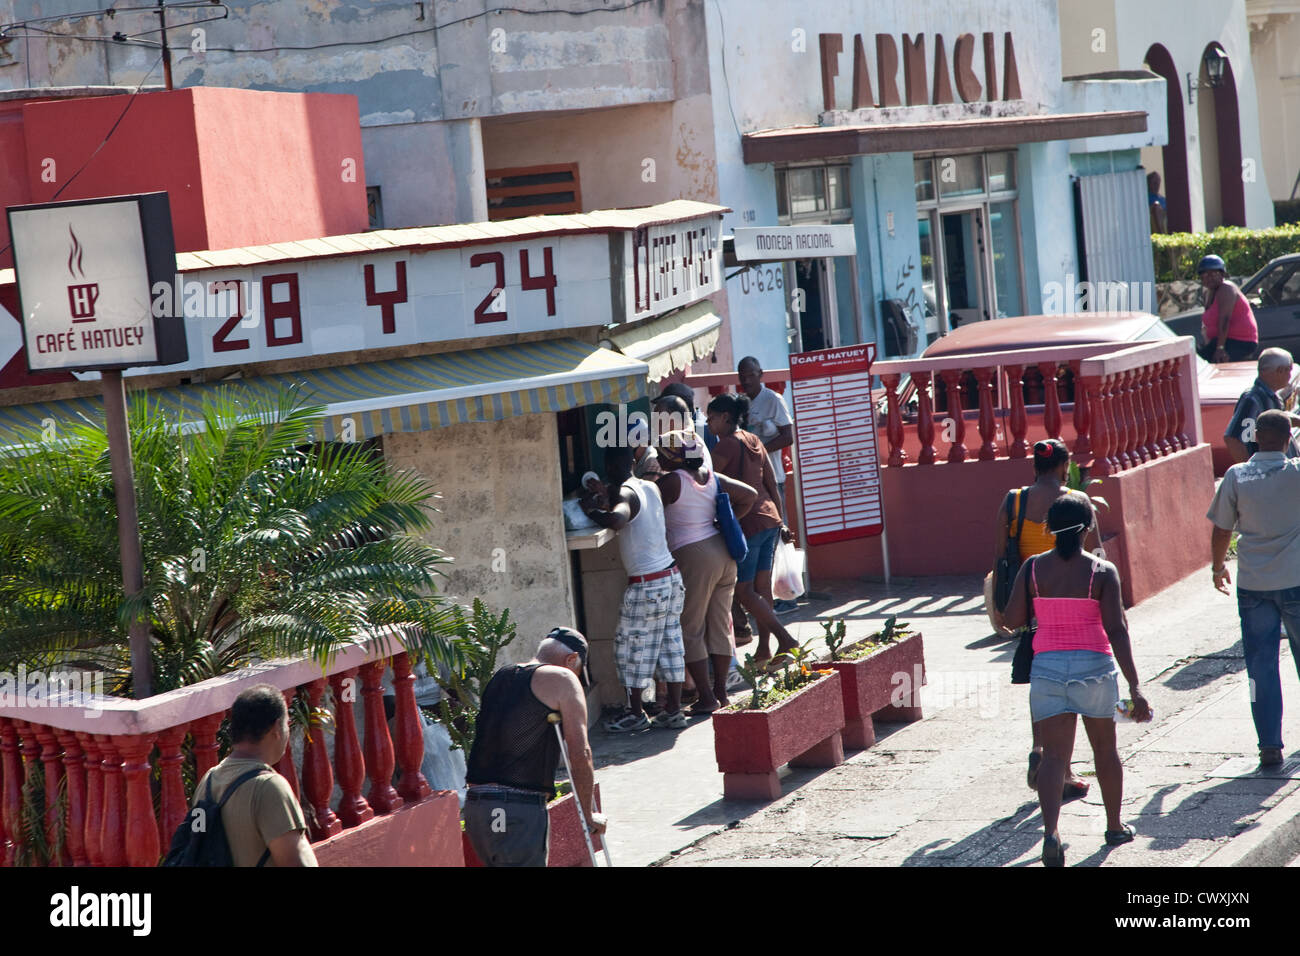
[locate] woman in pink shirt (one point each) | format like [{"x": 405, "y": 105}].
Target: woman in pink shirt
[
  {"x": 1082, "y": 634},
  {"x": 1231, "y": 333}
]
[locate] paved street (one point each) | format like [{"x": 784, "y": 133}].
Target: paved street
[{"x": 950, "y": 790}]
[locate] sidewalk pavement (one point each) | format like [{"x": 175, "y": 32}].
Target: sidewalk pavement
[{"x": 950, "y": 790}]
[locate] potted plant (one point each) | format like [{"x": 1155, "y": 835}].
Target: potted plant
[
  {"x": 880, "y": 678},
  {"x": 792, "y": 716}
]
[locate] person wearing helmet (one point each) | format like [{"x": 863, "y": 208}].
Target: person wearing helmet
[{"x": 1231, "y": 333}]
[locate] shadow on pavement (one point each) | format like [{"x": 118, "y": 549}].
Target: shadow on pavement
[
  {"x": 732, "y": 811},
  {"x": 1206, "y": 669}
]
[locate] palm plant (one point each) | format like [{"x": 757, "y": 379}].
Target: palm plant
[{"x": 259, "y": 542}]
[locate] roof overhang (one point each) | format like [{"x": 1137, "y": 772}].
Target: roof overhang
[{"x": 802, "y": 143}]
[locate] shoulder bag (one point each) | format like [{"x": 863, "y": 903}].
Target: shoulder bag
[
  {"x": 1004, "y": 572},
  {"x": 1023, "y": 661}
]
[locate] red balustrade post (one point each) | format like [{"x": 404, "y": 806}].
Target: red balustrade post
[
  {"x": 1082, "y": 417},
  {"x": 410, "y": 732},
  {"x": 1114, "y": 423},
  {"x": 1173, "y": 402},
  {"x": 52, "y": 764},
  {"x": 1100, "y": 435},
  {"x": 893, "y": 422},
  {"x": 204, "y": 731},
  {"x": 924, "y": 416},
  {"x": 1019, "y": 422},
  {"x": 172, "y": 807},
  {"x": 11, "y": 798},
  {"x": 317, "y": 778},
  {"x": 284, "y": 766},
  {"x": 379, "y": 745},
  {"x": 74, "y": 769},
  {"x": 987, "y": 423},
  {"x": 94, "y": 797},
  {"x": 348, "y": 765},
  {"x": 1180, "y": 410},
  {"x": 1156, "y": 410},
  {"x": 1141, "y": 447},
  {"x": 953, "y": 386},
  {"x": 31, "y": 747},
  {"x": 142, "y": 843},
  {"x": 1051, "y": 399},
  {"x": 112, "y": 833},
  {"x": 1124, "y": 427}
]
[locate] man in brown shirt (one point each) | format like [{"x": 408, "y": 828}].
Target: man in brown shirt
[{"x": 263, "y": 821}]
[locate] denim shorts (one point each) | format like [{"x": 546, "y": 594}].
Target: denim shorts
[
  {"x": 1072, "y": 682},
  {"x": 762, "y": 548}
]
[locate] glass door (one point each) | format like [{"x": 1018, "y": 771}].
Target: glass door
[{"x": 965, "y": 276}]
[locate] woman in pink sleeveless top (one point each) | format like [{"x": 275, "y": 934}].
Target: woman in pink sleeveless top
[
  {"x": 1231, "y": 333},
  {"x": 1082, "y": 635}
]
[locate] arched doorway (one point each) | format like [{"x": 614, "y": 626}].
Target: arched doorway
[
  {"x": 1174, "y": 153},
  {"x": 1220, "y": 134}
]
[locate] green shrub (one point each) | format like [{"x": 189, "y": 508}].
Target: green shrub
[{"x": 1244, "y": 251}]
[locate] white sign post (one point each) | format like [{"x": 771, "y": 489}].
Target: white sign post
[{"x": 85, "y": 270}]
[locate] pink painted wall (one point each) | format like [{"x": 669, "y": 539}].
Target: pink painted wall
[{"x": 241, "y": 167}]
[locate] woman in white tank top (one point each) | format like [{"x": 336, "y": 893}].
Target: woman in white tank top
[{"x": 689, "y": 492}]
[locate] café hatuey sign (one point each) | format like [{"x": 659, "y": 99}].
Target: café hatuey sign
[{"x": 435, "y": 292}]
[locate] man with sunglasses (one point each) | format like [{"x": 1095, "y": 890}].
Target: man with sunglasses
[{"x": 511, "y": 772}]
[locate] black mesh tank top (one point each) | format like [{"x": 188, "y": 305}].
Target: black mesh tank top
[{"x": 513, "y": 743}]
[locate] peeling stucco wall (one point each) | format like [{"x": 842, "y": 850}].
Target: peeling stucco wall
[{"x": 499, "y": 517}]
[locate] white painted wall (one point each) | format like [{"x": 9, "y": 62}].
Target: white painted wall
[
  {"x": 1275, "y": 57},
  {"x": 1184, "y": 28}
]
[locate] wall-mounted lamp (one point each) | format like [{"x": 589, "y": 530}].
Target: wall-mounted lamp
[{"x": 1214, "y": 61}]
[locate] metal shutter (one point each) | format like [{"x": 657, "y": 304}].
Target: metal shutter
[{"x": 1117, "y": 240}]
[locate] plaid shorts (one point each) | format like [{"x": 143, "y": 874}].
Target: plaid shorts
[{"x": 650, "y": 632}]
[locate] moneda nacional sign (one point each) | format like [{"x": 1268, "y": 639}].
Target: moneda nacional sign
[{"x": 85, "y": 270}]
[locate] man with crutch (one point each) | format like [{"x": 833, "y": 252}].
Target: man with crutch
[{"x": 511, "y": 771}]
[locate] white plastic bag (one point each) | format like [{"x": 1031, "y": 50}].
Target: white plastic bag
[{"x": 787, "y": 572}]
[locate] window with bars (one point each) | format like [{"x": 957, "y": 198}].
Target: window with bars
[{"x": 533, "y": 191}]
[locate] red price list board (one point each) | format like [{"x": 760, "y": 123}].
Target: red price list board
[{"x": 835, "y": 431}]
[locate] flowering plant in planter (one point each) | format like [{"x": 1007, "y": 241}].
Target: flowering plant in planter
[
  {"x": 771, "y": 686},
  {"x": 879, "y": 675}
]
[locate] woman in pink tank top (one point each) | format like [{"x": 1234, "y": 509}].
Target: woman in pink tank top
[
  {"x": 1082, "y": 635},
  {"x": 1228, "y": 324}
]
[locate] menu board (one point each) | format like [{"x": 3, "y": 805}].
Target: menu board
[{"x": 835, "y": 431}]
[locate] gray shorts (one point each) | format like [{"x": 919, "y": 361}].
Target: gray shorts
[
  {"x": 507, "y": 827},
  {"x": 1072, "y": 682}
]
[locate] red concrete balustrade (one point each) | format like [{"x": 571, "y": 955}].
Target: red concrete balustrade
[
  {"x": 106, "y": 766},
  {"x": 1129, "y": 410}
]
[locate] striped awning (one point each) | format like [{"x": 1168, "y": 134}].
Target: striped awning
[
  {"x": 409, "y": 394},
  {"x": 672, "y": 342}
]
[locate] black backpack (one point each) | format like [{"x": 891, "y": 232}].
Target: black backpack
[{"x": 200, "y": 839}]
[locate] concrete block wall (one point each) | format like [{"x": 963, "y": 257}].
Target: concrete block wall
[{"x": 499, "y": 518}]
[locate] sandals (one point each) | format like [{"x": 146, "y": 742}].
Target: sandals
[
  {"x": 1053, "y": 851},
  {"x": 697, "y": 711},
  {"x": 1120, "y": 837},
  {"x": 1075, "y": 791}
]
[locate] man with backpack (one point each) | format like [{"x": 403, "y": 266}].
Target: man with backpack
[{"x": 242, "y": 805}]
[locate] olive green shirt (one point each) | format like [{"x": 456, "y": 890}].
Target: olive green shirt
[{"x": 259, "y": 811}]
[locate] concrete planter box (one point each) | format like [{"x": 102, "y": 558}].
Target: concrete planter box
[
  {"x": 803, "y": 730},
  {"x": 884, "y": 686},
  {"x": 565, "y": 844}
]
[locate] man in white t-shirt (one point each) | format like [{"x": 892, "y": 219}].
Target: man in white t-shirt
[
  {"x": 649, "y": 630},
  {"x": 769, "y": 419}
]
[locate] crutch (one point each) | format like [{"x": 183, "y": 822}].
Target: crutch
[{"x": 554, "y": 720}]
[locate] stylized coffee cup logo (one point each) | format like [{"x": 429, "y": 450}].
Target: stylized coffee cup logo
[{"x": 81, "y": 296}]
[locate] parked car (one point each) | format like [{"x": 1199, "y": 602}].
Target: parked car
[
  {"x": 1274, "y": 294},
  {"x": 1219, "y": 385}
]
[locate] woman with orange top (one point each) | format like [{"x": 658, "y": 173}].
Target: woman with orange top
[{"x": 1051, "y": 470}]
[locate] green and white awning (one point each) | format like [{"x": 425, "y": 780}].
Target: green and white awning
[
  {"x": 408, "y": 394},
  {"x": 672, "y": 342}
]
